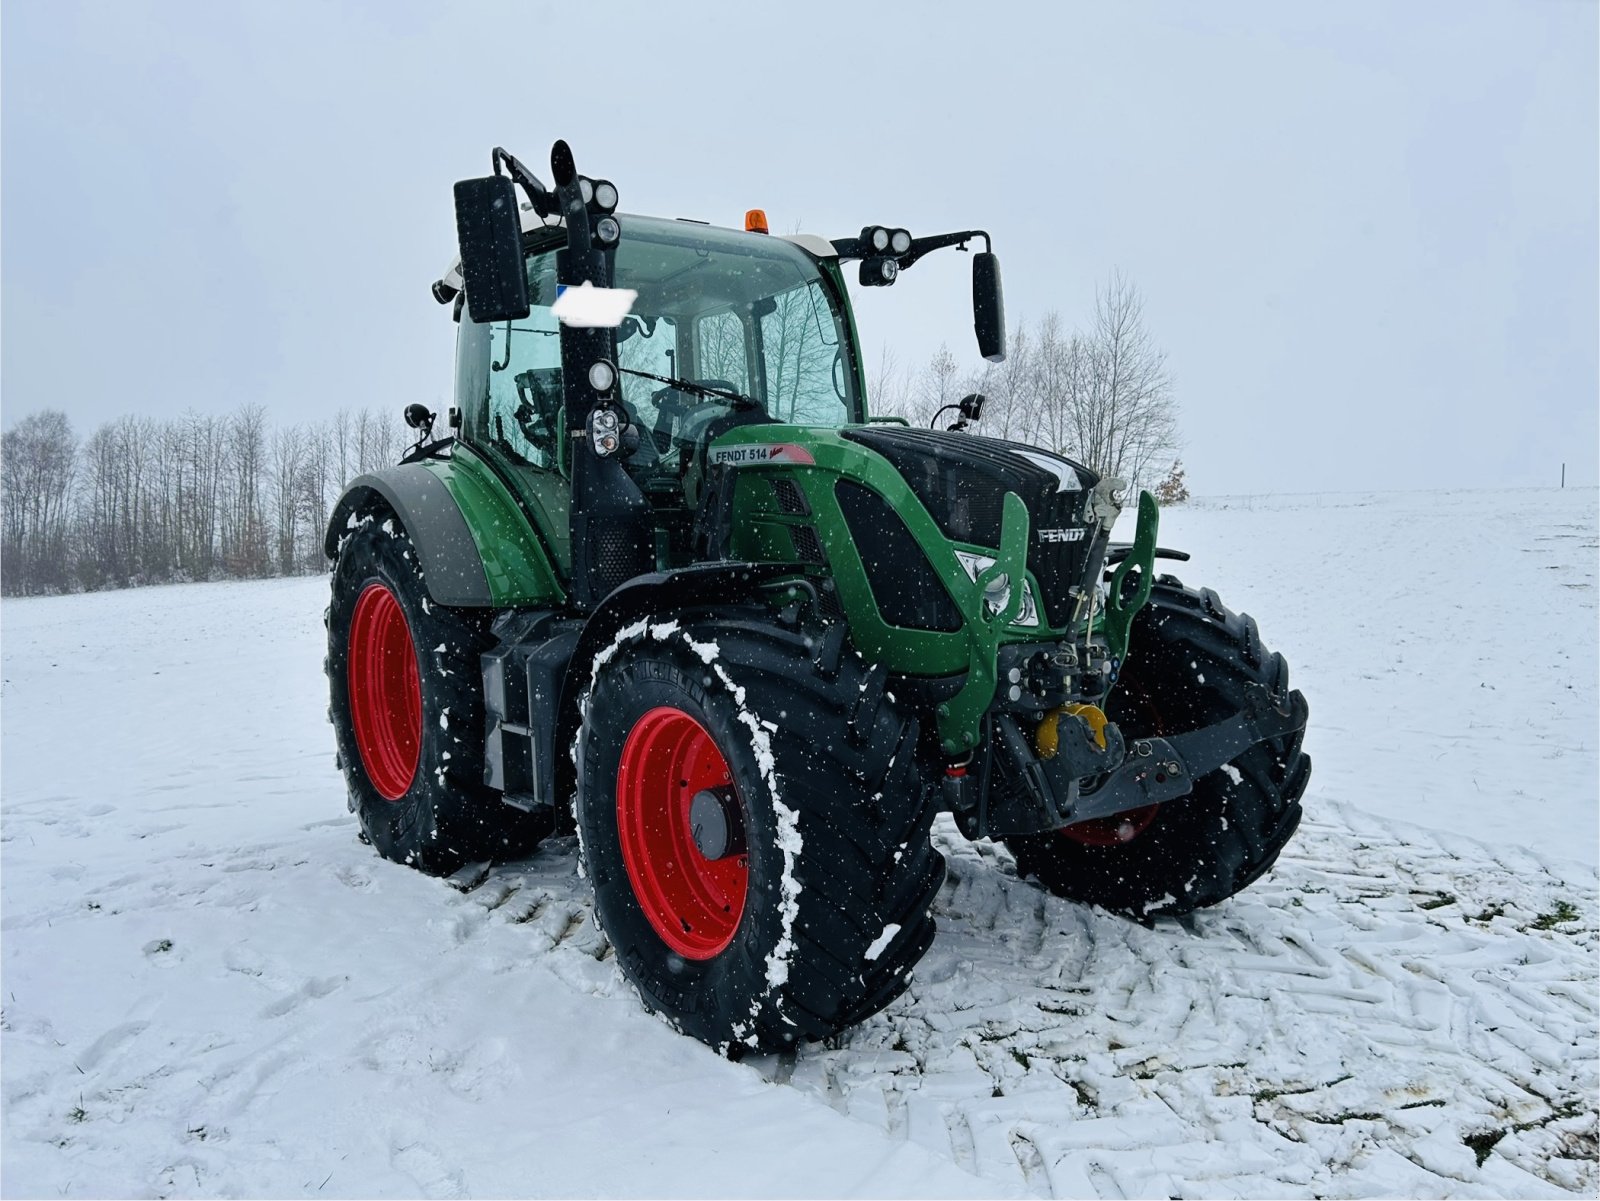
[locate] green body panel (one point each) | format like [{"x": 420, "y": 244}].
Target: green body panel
[
  {"x": 960, "y": 718},
  {"x": 514, "y": 559},
  {"x": 1119, "y": 611},
  {"x": 762, "y": 532}
]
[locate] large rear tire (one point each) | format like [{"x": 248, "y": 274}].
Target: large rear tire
[
  {"x": 1189, "y": 661},
  {"x": 406, "y": 702},
  {"x": 799, "y": 905}
]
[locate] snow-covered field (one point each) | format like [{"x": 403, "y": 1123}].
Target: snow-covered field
[{"x": 210, "y": 987}]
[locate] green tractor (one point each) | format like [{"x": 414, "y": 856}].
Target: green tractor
[{"x": 668, "y": 581}]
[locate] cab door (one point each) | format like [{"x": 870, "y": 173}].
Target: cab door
[{"x": 509, "y": 392}]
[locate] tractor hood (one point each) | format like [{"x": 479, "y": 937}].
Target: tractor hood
[{"x": 962, "y": 480}]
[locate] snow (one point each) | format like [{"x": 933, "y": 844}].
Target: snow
[
  {"x": 1446, "y": 642},
  {"x": 211, "y": 987},
  {"x": 881, "y": 943}
]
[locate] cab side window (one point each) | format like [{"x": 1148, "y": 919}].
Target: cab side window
[{"x": 523, "y": 413}]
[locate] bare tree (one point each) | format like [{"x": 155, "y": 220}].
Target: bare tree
[
  {"x": 1101, "y": 396},
  {"x": 38, "y": 460},
  {"x": 287, "y": 495},
  {"x": 1124, "y": 418}
]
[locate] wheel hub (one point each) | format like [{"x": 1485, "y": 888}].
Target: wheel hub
[{"x": 714, "y": 823}]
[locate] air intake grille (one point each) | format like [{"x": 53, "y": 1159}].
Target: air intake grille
[
  {"x": 790, "y": 498},
  {"x": 905, "y": 586},
  {"x": 806, "y": 544}
]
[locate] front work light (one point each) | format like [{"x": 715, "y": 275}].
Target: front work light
[
  {"x": 601, "y": 376},
  {"x": 605, "y": 195},
  {"x": 900, "y": 241},
  {"x": 607, "y": 231},
  {"x": 879, "y": 272}
]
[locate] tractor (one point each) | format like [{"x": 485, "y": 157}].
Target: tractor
[{"x": 668, "y": 584}]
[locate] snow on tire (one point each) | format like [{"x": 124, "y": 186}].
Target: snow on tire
[
  {"x": 1189, "y": 661},
  {"x": 406, "y": 703},
  {"x": 755, "y": 828}
]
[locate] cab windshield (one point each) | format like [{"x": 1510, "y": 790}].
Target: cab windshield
[{"x": 739, "y": 313}]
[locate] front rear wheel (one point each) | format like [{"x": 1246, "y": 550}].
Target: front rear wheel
[
  {"x": 756, "y": 830},
  {"x": 405, "y": 699},
  {"x": 1189, "y": 661}
]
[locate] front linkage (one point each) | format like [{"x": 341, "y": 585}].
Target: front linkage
[{"x": 1075, "y": 765}]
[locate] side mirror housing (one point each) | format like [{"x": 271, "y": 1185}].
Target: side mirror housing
[
  {"x": 971, "y": 405},
  {"x": 988, "y": 307},
  {"x": 489, "y": 230}
]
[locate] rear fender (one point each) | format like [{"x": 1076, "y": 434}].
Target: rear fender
[
  {"x": 451, "y": 568},
  {"x": 494, "y": 560}
]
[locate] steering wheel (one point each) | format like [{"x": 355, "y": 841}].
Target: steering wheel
[{"x": 672, "y": 402}]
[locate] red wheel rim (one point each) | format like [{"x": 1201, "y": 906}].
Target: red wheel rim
[
  {"x": 692, "y": 902},
  {"x": 1122, "y": 827},
  {"x": 385, "y": 692},
  {"x": 1112, "y": 831}
]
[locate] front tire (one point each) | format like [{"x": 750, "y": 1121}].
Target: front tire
[
  {"x": 406, "y": 702},
  {"x": 1189, "y": 660},
  {"x": 810, "y": 910}
]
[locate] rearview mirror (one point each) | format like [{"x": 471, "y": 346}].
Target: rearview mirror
[
  {"x": 971, "y": 405},
  {"x": 988, "y": 307},
  {"x": 489, "y": 231}
]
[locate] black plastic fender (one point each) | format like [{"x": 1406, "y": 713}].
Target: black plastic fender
[
  {"x": 451, "y": 567},
  {"x": 659, "y": 594},
  {"x": 656, "y": 595}
]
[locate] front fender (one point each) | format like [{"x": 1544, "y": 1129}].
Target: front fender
[{"x": 660, "y": 594}]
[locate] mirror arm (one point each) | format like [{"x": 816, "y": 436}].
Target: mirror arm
[
  {"x": 541, "y": 198},
  {"x": 854, "y": 248},
  {"x": 922, "y": 246}
]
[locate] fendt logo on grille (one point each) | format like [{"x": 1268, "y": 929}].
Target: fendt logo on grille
[{"x": 1062, "y": 535}]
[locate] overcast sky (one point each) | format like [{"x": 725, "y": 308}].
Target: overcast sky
[{"x": 1365, "y": 234}]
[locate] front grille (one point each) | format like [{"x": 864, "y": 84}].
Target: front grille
[
  {"x": 906, "y": 588},
  {"x": 962, "y": 481}
]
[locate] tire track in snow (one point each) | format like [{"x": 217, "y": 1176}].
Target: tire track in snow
[{"x": 1382, "y": 1009}]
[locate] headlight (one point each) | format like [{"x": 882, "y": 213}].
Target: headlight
[
  {"x": 998, "y": 594},
  {"x": 606, "y": 230},
  {"x": 604, "y": 430},
  {"x": 880, "y": 239},
  {"x": 900, "y": 241}
]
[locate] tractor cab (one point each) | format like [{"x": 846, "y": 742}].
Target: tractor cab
[{"x": 727, "y": 329}]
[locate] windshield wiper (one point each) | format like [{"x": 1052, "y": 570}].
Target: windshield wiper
[{"x": 694, "y": 389}]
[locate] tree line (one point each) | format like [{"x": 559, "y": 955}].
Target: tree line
[
  {"x": 197, "y": 497},
  {"x": 205, "y": 497},
  {"x": 1100, "y": 395}
]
